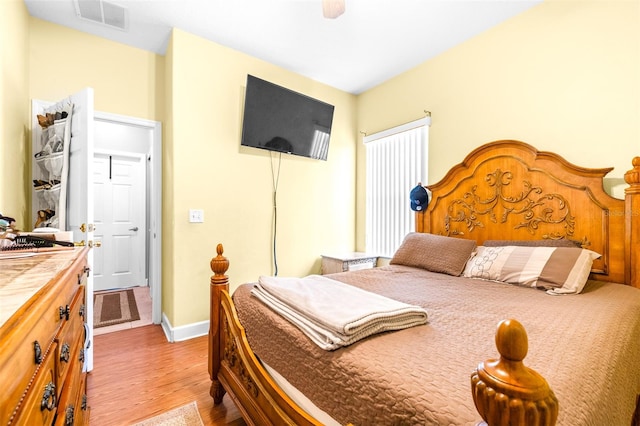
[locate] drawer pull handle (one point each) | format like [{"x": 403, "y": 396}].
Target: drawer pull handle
[
  {"x": 85, "y": 270},
  {"x": 64, "y": 312},
  {"x": 48, "y": 397},
  {"x": 68, "y": 415},
  {"x": 37, "y": 352},
  {"x": 65, "y": 352}
]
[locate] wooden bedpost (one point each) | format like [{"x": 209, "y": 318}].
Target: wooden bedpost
[
  {"x": 219, "y": 283},
  {"x": 632, "y": 224},
  {"x": 506, "y": 392}
]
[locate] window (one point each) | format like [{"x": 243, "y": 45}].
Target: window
[{"x": 396, "y": 161}]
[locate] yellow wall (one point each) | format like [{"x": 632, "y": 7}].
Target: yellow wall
[
  {"x": 233, "y": 184},
  {"x": 563, "y": 76},
  {"x": 14, "y": 110},
  {"x": 126, "y": 80}
]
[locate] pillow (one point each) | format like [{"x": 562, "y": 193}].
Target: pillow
[
  {"x": 534, "y": 243},
  {"x": 434, "y": 253},
  {"x": 560, "y": 270}
]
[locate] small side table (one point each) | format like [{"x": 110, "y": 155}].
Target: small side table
[{"x": 348, "y": 262}]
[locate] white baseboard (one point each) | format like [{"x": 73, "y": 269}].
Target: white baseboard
[{"x": 183, "y": 332}]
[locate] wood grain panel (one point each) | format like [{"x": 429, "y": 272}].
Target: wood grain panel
[{"x": 508, "y": 190}]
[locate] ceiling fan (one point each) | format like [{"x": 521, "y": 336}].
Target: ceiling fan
[{"x": 332, "y": 8}]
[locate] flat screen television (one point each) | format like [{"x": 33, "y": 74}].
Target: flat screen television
[{"x": 278, "y": 119}]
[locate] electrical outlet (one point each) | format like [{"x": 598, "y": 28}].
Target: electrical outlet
[{"x": 196, "y": 215}]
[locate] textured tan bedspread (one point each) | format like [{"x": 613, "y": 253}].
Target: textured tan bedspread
[{"x": 587, "y": 346}]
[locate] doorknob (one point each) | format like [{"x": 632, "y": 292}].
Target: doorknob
[
  {"x": 91, "y": 227},
  {"x": 135, "y": 228}
]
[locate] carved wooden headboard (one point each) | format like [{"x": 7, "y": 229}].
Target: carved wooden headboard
[{"x": 508, "y": 190}]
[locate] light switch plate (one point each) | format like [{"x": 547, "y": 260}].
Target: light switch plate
[{"x": 196, "y": 215}]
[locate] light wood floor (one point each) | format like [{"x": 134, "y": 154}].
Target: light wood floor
[{"x": 137, "y": 374}]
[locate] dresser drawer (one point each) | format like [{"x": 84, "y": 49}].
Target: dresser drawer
[
  {"x": 31, "y": 331},
  {"x": 82, "y": 416},
  {"x": 70, "y": 407},
  {"x": 41, "y": 399},
  {"x": 71, "y": 335},
  {"x": 74, "y": 409}
]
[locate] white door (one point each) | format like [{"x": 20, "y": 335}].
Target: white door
[
  {"x": 79, "y": 200},
  {"x": 119, "y": 195},
  {"x": 79, "y": 197}
]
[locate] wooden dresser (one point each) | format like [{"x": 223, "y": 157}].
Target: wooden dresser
[{"x": 42, "y": 335}]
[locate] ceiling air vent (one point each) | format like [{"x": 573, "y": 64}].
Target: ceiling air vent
[{"x": 103, "y": 12}]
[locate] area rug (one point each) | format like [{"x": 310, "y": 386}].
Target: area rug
[
  {"x": 187, "y": 415},
  {"x": 115, "y": 307}
]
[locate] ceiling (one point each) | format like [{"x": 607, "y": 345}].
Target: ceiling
[{"x": 371, "y": 42}]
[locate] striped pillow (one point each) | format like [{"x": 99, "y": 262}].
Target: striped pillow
[{"x": 562, "y": 270}]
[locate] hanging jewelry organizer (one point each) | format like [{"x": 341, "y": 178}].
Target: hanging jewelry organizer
[{"x": 52, "y": 170}]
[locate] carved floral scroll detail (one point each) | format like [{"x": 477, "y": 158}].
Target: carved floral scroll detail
[
  {"x": 534, "y": 207},
  {"x": 235, "y": 361}
]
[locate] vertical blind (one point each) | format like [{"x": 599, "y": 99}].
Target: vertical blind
[{"x": 396, "y": 161}]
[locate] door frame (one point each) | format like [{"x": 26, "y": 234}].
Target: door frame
[{"x": 154, "y": 186}]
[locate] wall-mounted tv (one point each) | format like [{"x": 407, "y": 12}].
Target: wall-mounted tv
[{"x": 279, "y": 119}]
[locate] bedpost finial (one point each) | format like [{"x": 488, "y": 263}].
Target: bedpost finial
[
  {"x": 632, "y": 177},
  {"x": 219, "y": 265},
  {"x": 511, "y": 340},
  {"x": 508, "y": 381}
]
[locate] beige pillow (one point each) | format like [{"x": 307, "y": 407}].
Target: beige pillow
[
  {"x": 562, "y": 270},
  {"x": 434, "y": 253}
]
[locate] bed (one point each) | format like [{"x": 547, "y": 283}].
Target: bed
[{"x": 465, "y": 366}]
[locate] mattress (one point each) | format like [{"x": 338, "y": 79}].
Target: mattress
[{"x": 587, "y": 346}]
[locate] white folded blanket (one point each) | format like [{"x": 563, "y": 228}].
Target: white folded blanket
[{"x": 334, "y": 314}]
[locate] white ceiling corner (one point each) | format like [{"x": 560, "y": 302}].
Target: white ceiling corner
[{"x": 372, "y": 41}]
